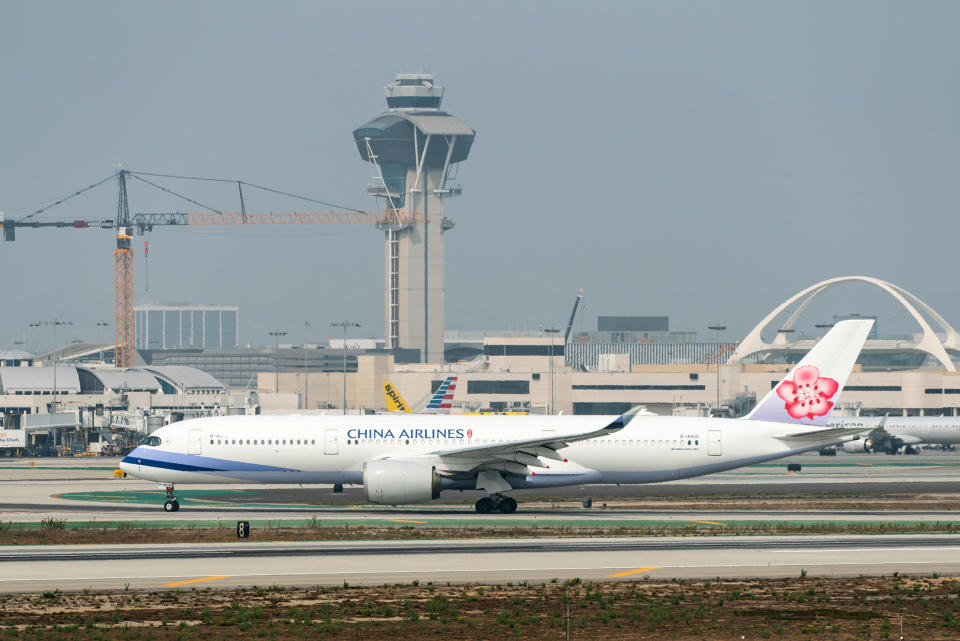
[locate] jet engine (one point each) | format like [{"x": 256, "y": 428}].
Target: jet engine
[
  {"x": 395, "y": 481},
  {"x": 858, "y": 446}
]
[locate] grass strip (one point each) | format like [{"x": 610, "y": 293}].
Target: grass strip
[{"x": 59, "y": 531}]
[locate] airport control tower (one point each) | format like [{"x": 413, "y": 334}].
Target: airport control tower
[{"x": 414, "y": 148}]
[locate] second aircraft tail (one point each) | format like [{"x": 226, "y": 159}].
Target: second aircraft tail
[
  {"x": 395, "y": 402},
  {"x": 442, "y": 400}
]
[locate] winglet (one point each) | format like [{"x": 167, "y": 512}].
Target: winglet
[{"x": 621, "y": 421}]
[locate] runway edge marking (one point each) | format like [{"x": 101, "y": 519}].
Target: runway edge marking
[
  {"x": 630, "y": 572},
  {"x": 200, "y": 580}
]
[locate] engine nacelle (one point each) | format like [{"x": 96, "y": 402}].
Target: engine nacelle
[
  {"x": 395, "y": 481},
  {"x": 859, "y": 446}
]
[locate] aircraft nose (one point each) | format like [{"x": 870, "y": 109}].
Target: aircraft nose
[{"x": 129, "y": 463}]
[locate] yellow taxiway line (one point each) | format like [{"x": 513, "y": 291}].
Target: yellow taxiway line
[
  {"x": 206, "y": 578},
  {"x": 707, "y": 522},
  {"x": 406, "y": 521},
  {"x": 629, "y": 572}
]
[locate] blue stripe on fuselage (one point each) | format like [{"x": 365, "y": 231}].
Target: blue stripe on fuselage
[
  {"x": 192, "y": 462},
  {"x": 167, "y": 465}
]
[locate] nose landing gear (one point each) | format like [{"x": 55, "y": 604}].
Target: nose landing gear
[
  {"x": 171, "y": 504},
  {"x": 496, "y": 503}
]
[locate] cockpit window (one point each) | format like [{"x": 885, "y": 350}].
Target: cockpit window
[{"x": 152, "y": 441}]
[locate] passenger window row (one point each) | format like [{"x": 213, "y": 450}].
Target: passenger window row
[
  {"x": 644, "y": 443},
  {"x": 438, "y": 442},
  {"x": 269, "y": 441}
]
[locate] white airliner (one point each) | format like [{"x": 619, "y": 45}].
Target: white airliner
[
  {"x": 409, "y": 458},
  {"x": 889, "y": 434}
]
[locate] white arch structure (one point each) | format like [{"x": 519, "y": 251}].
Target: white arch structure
[{"x": 929, "y": 342}]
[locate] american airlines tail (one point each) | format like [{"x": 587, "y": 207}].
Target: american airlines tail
[
  {"x": 806, "y": 396},
  {"x": 442, "y": 400},
  {"x": 440, "y": 403}
]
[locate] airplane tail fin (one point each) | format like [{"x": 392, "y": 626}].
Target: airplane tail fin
[
  {"x": 442, "y": 400},
  {"x": 808, "y": 393},
  {"x": 395, "y": 402}
]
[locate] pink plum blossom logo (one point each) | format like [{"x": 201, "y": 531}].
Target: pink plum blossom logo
[
  {"x": 808, "y": 394},
  {"x": 469, "y": 433}
]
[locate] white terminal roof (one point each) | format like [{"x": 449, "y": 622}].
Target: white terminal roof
[
  {"x": 138, "y": 379},
  {"x": 15, "y": 355},
  {"x": 13, "y": 379},
  {"x": 128, "y": 380},
  {"x": 185, "y": 378}
]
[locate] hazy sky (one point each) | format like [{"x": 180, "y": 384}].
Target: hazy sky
[{"x": 703, "y": 160}]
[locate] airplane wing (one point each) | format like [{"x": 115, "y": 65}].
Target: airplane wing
[
  {"x": 513, "y": 457},
  {"x": 879, "y": 433}
]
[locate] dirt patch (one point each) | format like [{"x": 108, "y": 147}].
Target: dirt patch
[{"x": 800, "y": 608}]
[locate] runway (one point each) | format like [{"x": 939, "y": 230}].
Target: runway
[
  {"x": 248, "y": 563},
  {"x": 84, "y": 493},
  {"x": 84, "y": 490}
]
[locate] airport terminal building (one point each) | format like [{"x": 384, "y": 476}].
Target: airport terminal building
[
  {"x": 627, "y": 361},
  {"x": 524, "y": 378},
  {"x": 66, "y": 409},
  {"x": 632, "y": 361}
]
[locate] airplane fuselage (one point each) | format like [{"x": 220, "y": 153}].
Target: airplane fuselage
[
  {"x": 333, "y": 449},
  {"x": 910, "y": 430}
]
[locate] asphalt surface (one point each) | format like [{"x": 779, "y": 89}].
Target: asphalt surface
[
  {"x": 85, "y": 491},
  {"x": 250, "y": 563}
]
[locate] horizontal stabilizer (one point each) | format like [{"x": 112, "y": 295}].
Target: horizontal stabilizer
[{"x": 834, "y": 433}]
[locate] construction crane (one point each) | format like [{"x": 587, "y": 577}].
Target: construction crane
[
  {"x": 573, "y": 314},
  {"x": 126, "y": 225}
]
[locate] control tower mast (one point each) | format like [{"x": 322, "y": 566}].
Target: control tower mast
[{"x": 415, "y": 148}]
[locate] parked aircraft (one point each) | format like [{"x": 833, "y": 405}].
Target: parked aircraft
[
  {"x": 893, "y": 433},
  {"x": 407, "y": 458},
  {"x": 440, "y": 403}
]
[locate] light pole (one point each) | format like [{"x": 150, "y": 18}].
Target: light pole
[
  {"x": 344, "y": 324},
  {"x": 54, "y": 324},
  {"x": 102, "y": 325},
  {"x": 33, "y": 339},
  {"x": 276, "y": 364},
  {"x": 552, "y": 332},
  {"x": 306, "y": 374},
  {"x": 717, "y": 327}
]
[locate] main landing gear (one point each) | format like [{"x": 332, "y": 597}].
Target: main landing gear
[
  {"x": 171, "y": 504},
  {"x": 496, "y": 503}
]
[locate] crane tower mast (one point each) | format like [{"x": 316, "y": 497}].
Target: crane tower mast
[{"x": 123, "y": 277}]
